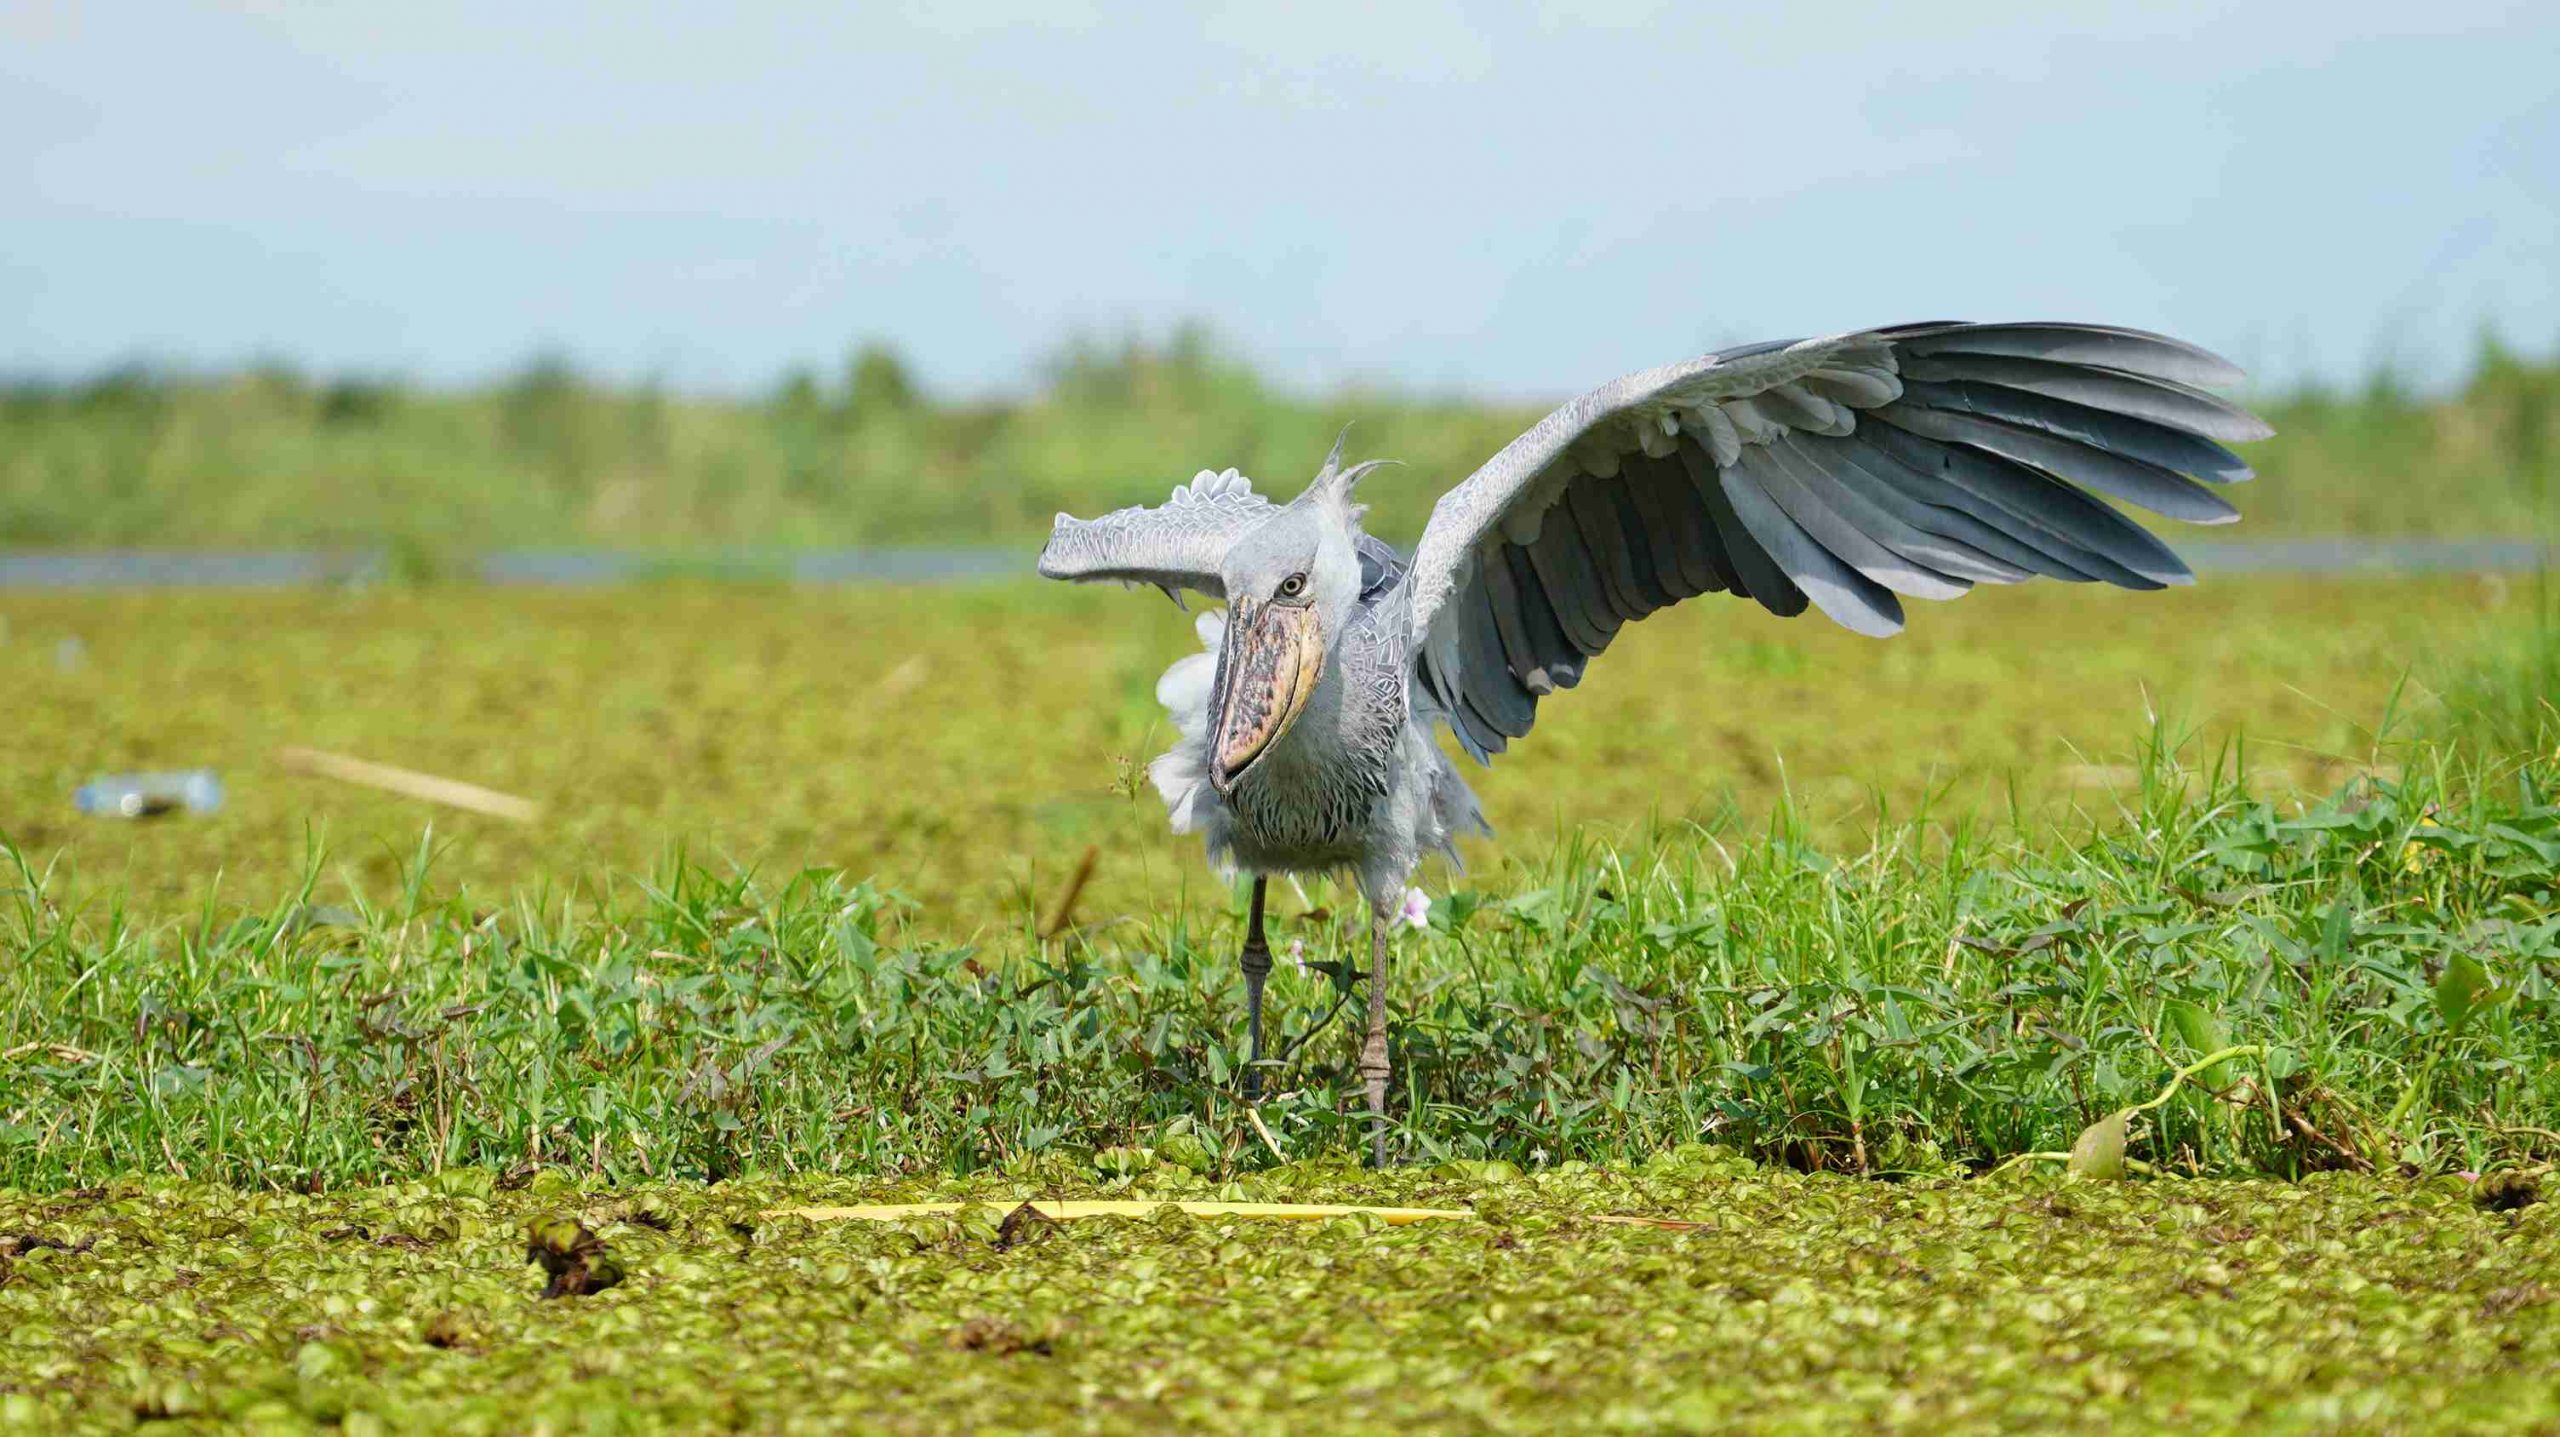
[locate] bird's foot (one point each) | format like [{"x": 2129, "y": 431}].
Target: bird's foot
[{"x": 1374, "y": 1072}]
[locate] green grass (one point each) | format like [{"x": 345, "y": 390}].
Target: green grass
[
  {"x": 267, "y": 457},
  {"x": 1796, "y": 1304},
  {"x": 1925, "y": 1001}
]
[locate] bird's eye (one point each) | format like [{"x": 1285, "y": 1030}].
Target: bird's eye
[{"x": 1292, "y": 586}]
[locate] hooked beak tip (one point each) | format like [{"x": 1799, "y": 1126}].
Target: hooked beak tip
[
  {"x": 1228, "y": 763},
  {"x": 1226, "y": 770}
]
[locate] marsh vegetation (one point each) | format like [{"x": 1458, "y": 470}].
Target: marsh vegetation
[
  {"x": 1772, "y": 1301},
  {"x": 1804, "y": 943}
]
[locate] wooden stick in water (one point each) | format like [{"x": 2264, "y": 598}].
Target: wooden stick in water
[{"x": 408, "y": 783}]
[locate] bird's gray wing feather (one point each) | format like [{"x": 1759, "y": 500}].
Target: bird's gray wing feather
[
  {"x": 1843, "y": 473},
  {"x": 1178, "y": 544}
]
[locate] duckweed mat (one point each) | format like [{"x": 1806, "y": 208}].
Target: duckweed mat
[{"x": 1795, "y": 1303}]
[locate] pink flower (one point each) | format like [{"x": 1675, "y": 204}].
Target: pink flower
[
  {"x": 1417, "y": 909},
  {"x": 1296, "y": 953}
]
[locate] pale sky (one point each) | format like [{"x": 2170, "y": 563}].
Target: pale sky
[{"x": 1516, "y": 200}]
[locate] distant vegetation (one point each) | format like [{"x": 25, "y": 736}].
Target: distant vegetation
[
  {"x": 268, "y": 456},
  {"x": 2506, "y": 697}
]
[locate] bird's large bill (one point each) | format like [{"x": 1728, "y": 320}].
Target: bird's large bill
[{"x": 1273, "y": 654}]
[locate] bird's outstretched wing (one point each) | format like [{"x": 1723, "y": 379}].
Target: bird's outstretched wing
[
  {"x": 1177, "y": 544},
  {"x": 1836, "y": 472}
]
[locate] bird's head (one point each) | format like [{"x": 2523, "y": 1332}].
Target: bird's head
[{"x": 1292, "y": 585}]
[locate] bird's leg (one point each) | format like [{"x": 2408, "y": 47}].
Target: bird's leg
[
  {"x": 1256, "y": 962},
  {"x": 1373, "y": 1053}
]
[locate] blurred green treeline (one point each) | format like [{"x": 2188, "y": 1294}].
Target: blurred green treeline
[{"x": 268, "y": 456}]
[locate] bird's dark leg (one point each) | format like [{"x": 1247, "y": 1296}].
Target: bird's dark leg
[
  {"x": 1256, "y": 962},
  {"x": 1373, "y": 1053}
]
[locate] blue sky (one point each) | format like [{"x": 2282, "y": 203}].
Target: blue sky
[{"x": 1520, "y": 200}]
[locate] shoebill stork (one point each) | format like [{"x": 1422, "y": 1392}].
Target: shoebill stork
[{"x": 1842, "y": 474}]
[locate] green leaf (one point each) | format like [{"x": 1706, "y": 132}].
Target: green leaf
[
  {"x": 2460, "y": 988},
  {"x": 1123, "y": 1161},
  {"x": 2336, "y": 931},
  {"x": 2099, "y": 1153},
  {"x": 1477, "y": 1170},
  {"x": 464, "y": 1182},
  {"x": 2203, "y": 1033},
  {"x": 315, "y": 1360},
  {"x": 1185, "y": 1150}
]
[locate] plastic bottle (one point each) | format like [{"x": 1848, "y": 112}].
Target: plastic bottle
[{"x": 148, "y": 795}]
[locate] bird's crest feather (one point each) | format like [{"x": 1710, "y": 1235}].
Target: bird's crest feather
[{"x": 1334, "y": 484}]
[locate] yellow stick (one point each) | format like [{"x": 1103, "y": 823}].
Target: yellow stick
[
  {"x": 1301, "y": 1212},
  {"x": 1268, "y": 1141},
  {"x": 408, "y": 783}
]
